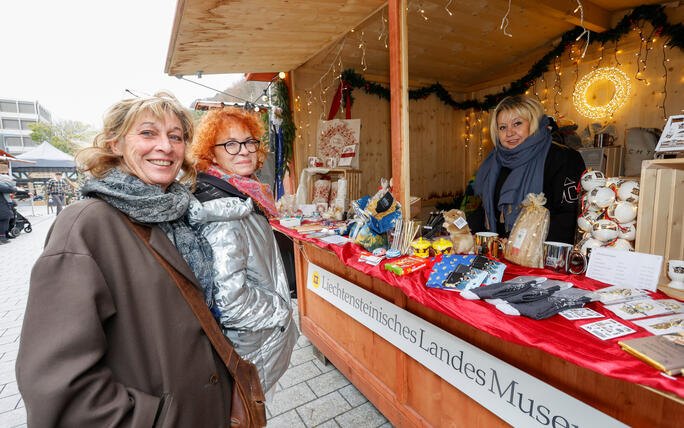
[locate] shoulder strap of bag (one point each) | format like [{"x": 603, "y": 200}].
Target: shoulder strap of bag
[{"x": 245, "y": 374}]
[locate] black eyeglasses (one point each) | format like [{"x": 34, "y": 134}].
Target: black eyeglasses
[{"x": 233, "y": 147}]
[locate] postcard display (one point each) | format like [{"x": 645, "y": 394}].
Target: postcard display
[{"x": 672, "y": 138}]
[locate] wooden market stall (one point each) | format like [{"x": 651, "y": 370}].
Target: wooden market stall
[{"x": 431, "y": 141}]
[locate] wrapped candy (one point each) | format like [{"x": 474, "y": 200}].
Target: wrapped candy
[{"x": 525, "y": 245}]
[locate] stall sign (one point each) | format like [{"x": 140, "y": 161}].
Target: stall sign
[{"x": 511, "y": 394}]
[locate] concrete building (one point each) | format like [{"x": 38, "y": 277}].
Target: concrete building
[{"x": 15, "y": 117}]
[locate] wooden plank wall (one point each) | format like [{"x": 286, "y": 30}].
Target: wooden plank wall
[
  {"x": 441, "y": 164},
  {"x": 438, "y": 158},
  {"x": 643, "y": 108}
]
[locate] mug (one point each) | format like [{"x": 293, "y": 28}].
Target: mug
[
  {"x": 562, "y": 257},
  {"x": 675, "y": 271},
  {"x": 489, "y": 244}
]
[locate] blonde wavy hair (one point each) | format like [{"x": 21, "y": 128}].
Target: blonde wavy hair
[
  {"x": 216, "y": 121},
  {"x": 525, "y": 107},
  {"x": 99, "y": 158}
]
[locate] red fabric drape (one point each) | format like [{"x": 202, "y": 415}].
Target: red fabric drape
[
  {"x": 556, "y": 335},
  {"x": 342, "y": 89}
]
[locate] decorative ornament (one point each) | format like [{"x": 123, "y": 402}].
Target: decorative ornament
[
  {"x": 622, "y": 88},
  {"x": 505, "y": 21}
]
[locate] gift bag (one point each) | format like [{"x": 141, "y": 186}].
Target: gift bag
[
  {"x": 526, "y": 241},
  {"x": 339, "y": 140}
]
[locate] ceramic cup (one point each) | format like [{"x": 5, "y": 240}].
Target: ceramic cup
[
  {"x": 489, "y": 244},
  {"x": 675, "y": 270},
  {"x": 561, "y": 257}
]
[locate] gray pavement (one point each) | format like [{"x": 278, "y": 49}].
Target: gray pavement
[{"x": 311, "y": 393}]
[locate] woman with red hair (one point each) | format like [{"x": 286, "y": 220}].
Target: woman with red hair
[{"x": 251, "y": 290}]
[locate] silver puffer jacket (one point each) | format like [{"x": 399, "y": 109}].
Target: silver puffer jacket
[{"x": 251, "y": 292}]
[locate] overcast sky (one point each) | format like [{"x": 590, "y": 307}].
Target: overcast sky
[{"x": 77, "y": 57}]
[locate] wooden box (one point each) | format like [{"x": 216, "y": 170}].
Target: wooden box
[
  {"x": 660, "y": 223},
  {"x": 353, "y": 177}
]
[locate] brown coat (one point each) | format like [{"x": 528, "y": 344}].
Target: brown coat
[{"x": 108, "y": 340}]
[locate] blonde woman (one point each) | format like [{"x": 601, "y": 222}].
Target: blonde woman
[
  {"x": 108, "y": 339},
  {"x": 526, "y": 160}
]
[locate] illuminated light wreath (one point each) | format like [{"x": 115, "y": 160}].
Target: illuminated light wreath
[{"x": 622, "y": 88}]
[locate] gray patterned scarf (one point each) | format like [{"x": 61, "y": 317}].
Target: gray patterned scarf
[{"x": 149, "y": 204}]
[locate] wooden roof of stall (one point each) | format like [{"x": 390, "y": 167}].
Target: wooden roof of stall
[{"x": 466, "y": 49}]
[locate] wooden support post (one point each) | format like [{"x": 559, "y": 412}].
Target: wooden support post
[{"x": 399, "y": 117}]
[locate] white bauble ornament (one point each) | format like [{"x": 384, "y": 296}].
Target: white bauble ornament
[
  {"x": 629, "y": 191},
  {"x": 592, "y": 179},
  {"x": 605, "y": 230},
  {"x": 623, "y": 212},
  {"x": 601, "y": 196},
  {"x": 588, "y": 205},
  {"x": 586, "y": 221},
  {"x": 629, "y": 233},
  {"x": 621, "y": 245},
  {"x": 585, "y": 244},
  {"x": 613, "y": 182}
]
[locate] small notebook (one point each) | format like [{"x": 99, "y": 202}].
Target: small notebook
[{"x": 664, "y": 352}]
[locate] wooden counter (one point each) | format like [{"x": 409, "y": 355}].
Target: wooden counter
[{"x": 410, "y": 395}]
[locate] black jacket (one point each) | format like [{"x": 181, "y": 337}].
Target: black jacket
[{"x": 562, "y": 171}]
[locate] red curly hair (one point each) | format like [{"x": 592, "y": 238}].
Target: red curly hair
[{"x": 217, "y": 120}]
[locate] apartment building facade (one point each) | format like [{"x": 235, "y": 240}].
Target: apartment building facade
[{"x": 15, "y": 118}]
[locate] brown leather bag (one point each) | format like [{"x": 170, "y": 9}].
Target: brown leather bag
[{"x": 247, "y": 408}]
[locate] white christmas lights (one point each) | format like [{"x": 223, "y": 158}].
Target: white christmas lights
[{"x": 622, "y": 88}]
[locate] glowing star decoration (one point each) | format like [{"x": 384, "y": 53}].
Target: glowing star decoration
[{"x": 622, "y": 87}]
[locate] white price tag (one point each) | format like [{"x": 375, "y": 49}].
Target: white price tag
[{"x": 460, "y": 223}]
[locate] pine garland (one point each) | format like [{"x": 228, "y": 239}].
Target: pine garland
[
  {"x": 282, "y": 100},
  {"x": 649, "y": 13}
]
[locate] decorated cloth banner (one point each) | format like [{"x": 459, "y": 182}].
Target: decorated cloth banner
[{"x": 338, "y": 142}]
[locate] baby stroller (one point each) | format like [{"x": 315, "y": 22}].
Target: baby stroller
[{"x": 18, "y": 222}]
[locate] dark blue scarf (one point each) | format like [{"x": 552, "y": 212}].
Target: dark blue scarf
[{"x": 526, "y": 162}]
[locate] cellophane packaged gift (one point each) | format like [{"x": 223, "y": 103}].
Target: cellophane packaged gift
[
  {"x": 526, "y": 241},
  {"x": 373, "y": 218}
]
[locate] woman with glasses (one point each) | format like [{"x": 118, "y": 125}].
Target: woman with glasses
[{"x": 252, "y": 294}]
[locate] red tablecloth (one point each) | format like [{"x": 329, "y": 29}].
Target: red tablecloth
[{"x": 556, "y": 335}]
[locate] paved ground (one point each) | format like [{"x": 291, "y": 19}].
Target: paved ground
[{"x": 310, "y": 394}]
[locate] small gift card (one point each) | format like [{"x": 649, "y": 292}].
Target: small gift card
[
  {"x": 347, "y": 155},
  {"x": 663, "y": 325},
  {"x": 580, "y": 314},
  {"x": 494, "y": 269},
  {"x": 607, "y": 329},
  {"x": 617, "y": 294},
  {"x": 643, "y": 308}
]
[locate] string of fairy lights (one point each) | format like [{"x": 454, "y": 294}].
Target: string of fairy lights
[{"x": 476, "y": 135}]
